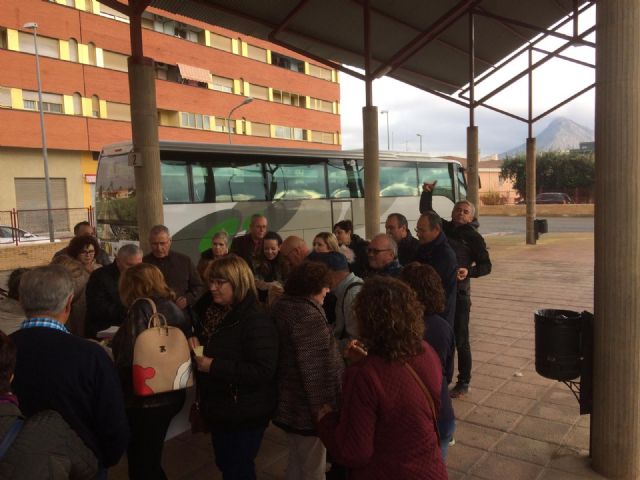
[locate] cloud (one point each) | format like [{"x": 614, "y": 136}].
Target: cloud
[{"x": 443, "y": 124}]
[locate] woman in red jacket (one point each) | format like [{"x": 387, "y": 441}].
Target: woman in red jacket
[{"x": 391, "y": 393}]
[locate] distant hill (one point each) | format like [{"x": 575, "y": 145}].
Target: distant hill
[{"x": 562, "y": 134}]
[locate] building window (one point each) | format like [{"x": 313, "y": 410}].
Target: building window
[
  {"x": 118, "y": 111},
  {"x": 289, "y": 63},
  {"x": 257, "y": 53},
  {"x": 92, "y": 53},
  {"x": 322, "y": 137},
  {"x": 260, "y": 129},
  {"x": 288, "y": 98},
  {"x": 51, "y": 102},
  {"x": 5, "y": 97},
  {"x": 221, "y": 125},
  {"x": 95, "y": 106},
  {"x": 112, "y": 13},
  {"x": 77, "y": 104},
  {"x": 320, "y": 72},
  {"x": 73, "y": 50},
  {"x": 3, "y": 38},
  {"x": 115, "y": 61},
  {"x": 222, "y": 84},
  {"x": 194, "y": 120},
  {"x": 221, "y": 42},
  {"x": 322, "y": 105},
  {"x": 47, "y": 47},
  {"x": 260, "y": 92}
]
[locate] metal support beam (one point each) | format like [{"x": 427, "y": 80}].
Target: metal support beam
[
  {"x": 530, "y": 170},
  {"x": 473, "y": 151}
]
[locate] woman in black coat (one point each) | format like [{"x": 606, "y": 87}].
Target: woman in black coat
[
  {"x": 236, "y": 372},
  {"x": 149, "y": 417},
  {"x": 353, "y": 247}
]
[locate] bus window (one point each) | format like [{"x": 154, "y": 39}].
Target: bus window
[
  {"x": 175, "y": 182},
  {"x": 203, "y": 184},
  {"x": 462, "y": 185},
  {"x": 398, "y": 179},
  {"x": 297, "y": 182},
  {"x": 345, "y": 179},
  {"x": 440, "y": 172},
  {"x": 239, "y": 183}
]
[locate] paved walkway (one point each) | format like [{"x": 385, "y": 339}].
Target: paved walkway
[{"x": 514, "y": 424}]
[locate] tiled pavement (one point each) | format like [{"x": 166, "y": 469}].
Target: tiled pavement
[{"x": 514, "y": 424}]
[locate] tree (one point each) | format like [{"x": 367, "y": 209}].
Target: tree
[{"x": 570, "y": 172}]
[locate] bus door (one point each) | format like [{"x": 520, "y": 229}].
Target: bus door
[{"x": 341, "y": 210}]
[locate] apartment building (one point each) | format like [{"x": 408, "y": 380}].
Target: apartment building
[{"x": 202, "y": 72}]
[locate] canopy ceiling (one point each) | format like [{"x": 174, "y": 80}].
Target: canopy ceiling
[{"x": 424, "y": 43}]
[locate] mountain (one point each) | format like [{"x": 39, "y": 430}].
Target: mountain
[{"x": 562, "y": 134}]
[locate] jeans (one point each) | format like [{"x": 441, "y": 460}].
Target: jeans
[
  {"x": 461, "y": 332},
  {"x": 446, "y": 429},
  {"x": 307, "y": 458},
  {"x": 148, "y": 428},
  {"x": 236, "y": 452}
]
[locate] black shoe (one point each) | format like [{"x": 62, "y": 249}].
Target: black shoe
[{"x": 460, "y": 390}]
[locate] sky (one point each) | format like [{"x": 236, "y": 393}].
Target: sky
[{"x": 443, "y": 124}]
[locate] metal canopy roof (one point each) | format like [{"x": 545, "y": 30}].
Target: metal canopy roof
[{"x": 424, "y": 43}]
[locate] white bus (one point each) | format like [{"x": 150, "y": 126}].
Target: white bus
[{"x": 208, "y": 188}]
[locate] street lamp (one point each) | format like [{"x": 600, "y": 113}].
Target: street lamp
[
  {"x": 34, "y": 27},
  {"x": 246, "y": 101},
  {"x": 420, "y": 135},
  {"x": 386, "y": 112}
]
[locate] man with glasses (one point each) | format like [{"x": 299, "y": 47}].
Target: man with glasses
[
  {"x": 473, "y": 261},
  {"x": 178, "y": 269},
  {"x": 382, "y": 254}
]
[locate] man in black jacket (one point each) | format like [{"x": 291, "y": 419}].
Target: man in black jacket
[
  {"x": 435, "y": 250},
  {"x": 56, "y": 370},
  {"x": 104, "y": 307},
  {"x": 179, "y": 271},
  {"x": 249, "y": 245},
  {"x": 398, "y": 228},
  {"x": 473, "y": 261}
]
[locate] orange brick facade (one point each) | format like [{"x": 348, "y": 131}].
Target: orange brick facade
[{"x": 66, "y": 77}]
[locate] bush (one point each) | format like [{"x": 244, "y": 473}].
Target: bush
[{"x": 492, "y": 198}]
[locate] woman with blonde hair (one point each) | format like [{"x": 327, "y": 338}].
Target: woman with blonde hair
[
  {"x": 149, "y": 417},
  {"x": 325, "y": 242},
  {"x": 236, "y": 370},
  {"x": 387, "y": 424}
]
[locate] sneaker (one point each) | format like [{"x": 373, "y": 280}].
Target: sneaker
[
  {"x": 452, "y": 442},
  {"x": 459, "y": 390}
]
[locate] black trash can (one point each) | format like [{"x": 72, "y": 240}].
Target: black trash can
[
  {"x": 558, "y": 344},
  {"x": 540, "y": 226}
]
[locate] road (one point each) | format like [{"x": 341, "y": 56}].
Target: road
[{"x": 489, "y": 225}]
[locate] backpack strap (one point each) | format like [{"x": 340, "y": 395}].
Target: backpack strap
[
  {"x": 346, "y": 290},
  {"x": 10, "y": 436},
  {"x": 156, "y": 319},
  {"x": 428, "y": 396}
]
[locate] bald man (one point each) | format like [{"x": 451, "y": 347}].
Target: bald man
[{"x": 294, "y": 250}]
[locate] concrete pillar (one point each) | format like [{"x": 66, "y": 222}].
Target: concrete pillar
[
  {"x": 616, "y": 400},
  {"x": 473, "y": 154},
  {"x": 531, "y": 189},
  {"x": 144, "y": 129},
  {"x": 371, "y": 171}
]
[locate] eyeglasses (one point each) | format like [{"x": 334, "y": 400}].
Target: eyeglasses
[
  {"x": 218, "y": 282},
  {"x": 419, "y": 230},
  {"x": 376, "y": 251},
  {"x": 88, "y": 252}
]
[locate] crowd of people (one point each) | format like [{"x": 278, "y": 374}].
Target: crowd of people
[{"x": 347, "y": 347}]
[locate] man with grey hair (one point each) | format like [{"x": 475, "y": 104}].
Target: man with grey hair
[
  {"x": 473, "y": 261},
  {"x": 104, "y": 307},
  {"x": 179, "y": 271},
  {"x": 382, "y": 253},
  {"x": 56, "y": 370}
]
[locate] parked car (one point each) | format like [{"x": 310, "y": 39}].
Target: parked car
[
  {"x": 549, "y": 198},
  {"x": 553, "y": 197},
  {"x": 8, "y": 235}
]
